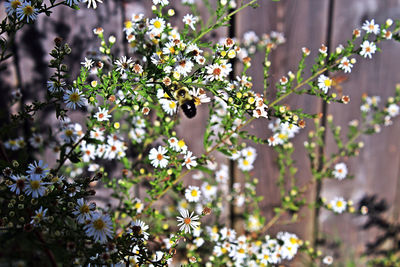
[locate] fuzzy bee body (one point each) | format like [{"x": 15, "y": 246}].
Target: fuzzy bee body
[{"x": 186, "y": 101}]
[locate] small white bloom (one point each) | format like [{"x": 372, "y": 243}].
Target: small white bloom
[
  {"x": 338, "y": 204},
  {"x": 340, "y": 171},
  {"x": 192, "y": 193},
  {"x": 324, "y": 83},
  {"x": 187, "y": 221},
  {"x": 371, "y": 27},
  {"x": 367, "y": 49},
  {"x": 158, "y": 157}
]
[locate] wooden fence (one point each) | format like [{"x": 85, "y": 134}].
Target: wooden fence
[{"x": 305, "y": 23}]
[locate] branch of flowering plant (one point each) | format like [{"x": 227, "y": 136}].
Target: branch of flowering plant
[
  {"x": 377, "y": 40},
  {"x": 224, "y": 19},
  {"x": 149, "y": 204}
]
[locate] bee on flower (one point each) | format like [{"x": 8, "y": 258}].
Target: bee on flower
[{"x": 138, "y": 228}]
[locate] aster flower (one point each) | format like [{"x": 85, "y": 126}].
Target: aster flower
[
  {"x": 35, "y": 187},
  {"x": 324, "y": 83},
  {"x": 88, "y": 63},
  {"x": 338, "y": 204},
  {"x": 102, "y": 114},
  {"x": 19, "y": 184},
  {"x": 187, "y": 221},
  {"x": 371, "y": 27},
  {"x": 162, "y": 2},
  {"x": 11, "y": 6},
  {"x": 157, "y": 26},
  {"x": 158, "y": 157},
  {"x": 189, "y": 161},
  {"x": 83, "y": 211},
  {"x": 99, "y": 228},
  {"x": 124, "y": 64},
  {"x": 26, "y": 10},
  {"x": 74, "y": 98},
  {"x": 72, "y": 2},
  {"x": 192, "y": 193},
  {"x": 190, "y": 20},
  {"x": 340, "y": 171},
  {"x": 345, "y": 65},
  {"x": 393, "y": 110},
  {"x": 37, "y": 170},
  {"x": 40, "y": 215},
  {"x": 367, "y": 49}
]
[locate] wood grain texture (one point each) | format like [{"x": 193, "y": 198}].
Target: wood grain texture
[
  {"x": 304, "y": 25},
  {"x": 376, "y": 170}
]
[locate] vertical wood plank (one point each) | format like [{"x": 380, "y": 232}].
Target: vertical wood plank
[
  {"x": 304, "y": 25},
  {"x": 376, "y": 169}
]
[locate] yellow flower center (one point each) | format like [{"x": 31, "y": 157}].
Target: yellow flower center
[
  {"x": 181, "y": 143},
  {"x": 157, "y": 24},
  {"x": 339, "y": 204},
  {"x": 172, "y": 104},
  {"x": 84, "y": 208},
  {"x": 99, "y": 224},
  {"x": 74, "y": 97},
  {"x": 35, "y": 184},
  {"x": 15, "y": 4},
  {"x": 328, "y": 82},
  {"x": 28, "y": 10},
  {"x": 194, "y": 193}
]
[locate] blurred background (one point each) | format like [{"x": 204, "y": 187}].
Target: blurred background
[{"x": 305, "y": 23}]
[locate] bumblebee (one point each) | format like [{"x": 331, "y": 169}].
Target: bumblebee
[{"x": 185, "y": 100}]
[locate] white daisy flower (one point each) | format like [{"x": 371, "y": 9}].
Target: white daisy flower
[
  {"x": 367, "y": 49},
  {"x": 189, "y": 161},
  {"x": 338, "y": 204},
  {"x": 88, "y": 63},
  {"x": 36, "y": 140},
  {"x": 371, "y": 27},
  {"x": 74, "y": 98},
  {"x": 158, "y": 157},
  {"x": 324, "y": 83},
  {"x": 245, "y": 165},
  {"x": 184, "y": 66},
  {"x": 192, "y": 193},
  {"x": 83, "y": 211},
  {"x": 124, "y": 64},
  {"x": 345, "y": 65},
  {"x": 187, "y": 221},
  {"x": 99, "y": 228},
  {"x": 393, "y": 110},
  {"x": 327, "y": 260},
  {"x": 169, "y": 106},
  {"x": 102, "y": 114},
  {"x": 340, "y": 171},
  {"x": 157, "y": 26},
  {"x": 215, "y": 72},
  {"x": 190, "y": 20}
]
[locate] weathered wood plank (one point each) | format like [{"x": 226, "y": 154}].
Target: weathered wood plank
[
  {"x": 376, "y": 169},
  {"x": 304, "y": 25}
]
